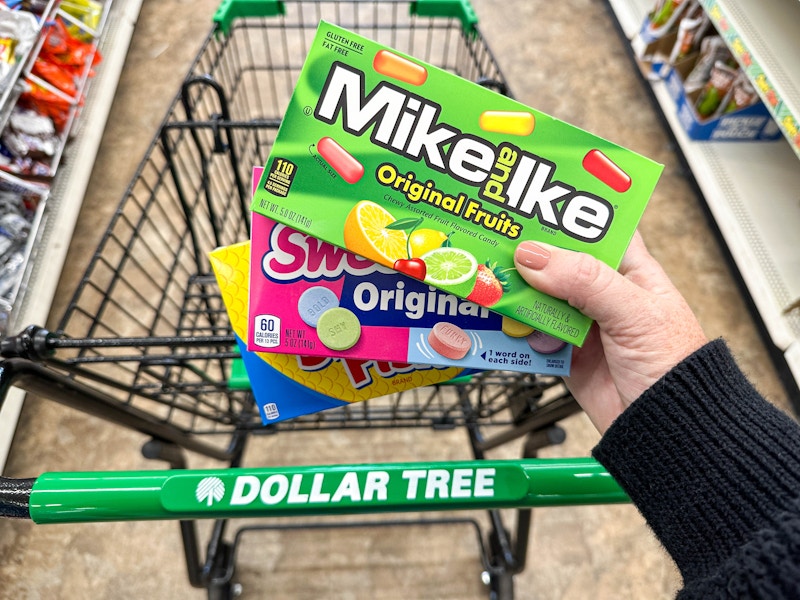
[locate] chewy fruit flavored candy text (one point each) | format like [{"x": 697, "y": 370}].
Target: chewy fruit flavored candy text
[
  {"x": 310, "y": 297},
  {"x": 439, "y": 178},
  {"x": 287, "y": 386}
]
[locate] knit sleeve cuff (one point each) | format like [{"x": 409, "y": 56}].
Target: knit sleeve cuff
[{"x": 705, "y": 459}]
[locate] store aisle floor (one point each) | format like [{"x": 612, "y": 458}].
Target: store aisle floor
[{"x": 564, "y": 58}]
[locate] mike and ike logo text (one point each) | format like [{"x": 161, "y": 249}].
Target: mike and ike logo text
[{"x": 407, "y": 124}]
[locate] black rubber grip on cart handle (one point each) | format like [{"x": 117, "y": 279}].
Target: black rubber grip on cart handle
[{"x": 15, "y": 496}]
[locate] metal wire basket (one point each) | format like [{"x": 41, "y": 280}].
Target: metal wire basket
[{"x": 146, "y": 333}]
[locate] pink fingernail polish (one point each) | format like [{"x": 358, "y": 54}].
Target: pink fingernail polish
[{"x": 532, "y": 255}]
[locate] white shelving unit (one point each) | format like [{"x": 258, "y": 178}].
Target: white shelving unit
[
  {"x": 752, "y": 188},
  {"x": 764, "y": 39},
  {"x": 67, "y": 191}
]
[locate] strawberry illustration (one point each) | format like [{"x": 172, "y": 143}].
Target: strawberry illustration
[{"x": 490, "y": 284}]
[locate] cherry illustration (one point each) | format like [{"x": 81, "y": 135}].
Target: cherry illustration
[{"x": 413, "y": 267}]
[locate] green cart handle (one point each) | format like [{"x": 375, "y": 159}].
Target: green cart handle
[
  {"x": 315, "y": 490},
  {"x": 229, "y": 10}
]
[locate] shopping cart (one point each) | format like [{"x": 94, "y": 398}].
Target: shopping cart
[{"x": 145, "y": 342}]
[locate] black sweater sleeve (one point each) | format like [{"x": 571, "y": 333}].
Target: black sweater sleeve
[{"x": 715, "y": 470}]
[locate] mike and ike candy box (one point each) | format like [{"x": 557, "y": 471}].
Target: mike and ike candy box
[
  {"x": 286, "y": 386},
  {"x": 431, "y": 175}
]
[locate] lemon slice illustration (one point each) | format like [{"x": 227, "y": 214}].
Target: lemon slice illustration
[{"x": 365, "y": 234}]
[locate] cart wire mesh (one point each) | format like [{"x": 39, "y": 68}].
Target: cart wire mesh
[{"x": 146, "y": 326}]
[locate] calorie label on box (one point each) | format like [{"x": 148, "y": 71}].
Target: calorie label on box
[{"x": 439, "y": 178}]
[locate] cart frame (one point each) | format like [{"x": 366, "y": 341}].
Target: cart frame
[{"x": 145, "y": 341}]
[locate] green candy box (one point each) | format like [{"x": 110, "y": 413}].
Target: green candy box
[{"x": 440, "y": 178}]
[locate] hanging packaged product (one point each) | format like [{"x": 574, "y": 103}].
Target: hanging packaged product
[
  {"x": 376, "y": 147},
  {"x": 713, "y": 50}
]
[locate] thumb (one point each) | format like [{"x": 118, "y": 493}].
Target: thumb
[{"x": 586, "y": 283}]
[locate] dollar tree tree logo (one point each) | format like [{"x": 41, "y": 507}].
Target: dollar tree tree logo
[{"x": 210, "y": 490}]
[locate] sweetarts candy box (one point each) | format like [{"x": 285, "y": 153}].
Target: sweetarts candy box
[
  {"x": 310, "y": 297},
  {"x": 287, "y": 386},
  {"x": 431, "y": 175}
]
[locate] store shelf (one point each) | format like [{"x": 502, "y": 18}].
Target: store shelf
[
  {"x": 752, "y": 189},
  {"x": 753, "y": 192},
  {"x": 22, "y": 64},
  {"x": 34, "y": 140},
  {"x": 763, "y": 38},
  {"x": 67, "y": 191},
  {"x": 83, "y": 81}
]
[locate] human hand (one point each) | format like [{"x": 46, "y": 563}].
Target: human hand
[{"x": 643, "y": 326}]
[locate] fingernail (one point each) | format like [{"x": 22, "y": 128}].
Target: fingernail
[{"x": 532, "y": 255}]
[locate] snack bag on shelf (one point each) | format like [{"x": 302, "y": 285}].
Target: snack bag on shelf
[
  {"x": 376, "y": 146},
  {"x": 742, "y": 95},
  {"x": 53, "y": 90},
  {"x": 28, "y": 143},
  {"x": 56, "y": 76},
  {"x": 670, "y": 32},
  {"x": 18, "y": 33},
  {"x": 691, "y": 30},
  {"x": 87, "y": 12},
  {"x": 663, "y": 19},
  {"x": 63, "y": 49},
  {"x": 719, "y": 84},
  {"x": 713, "y": 50}
]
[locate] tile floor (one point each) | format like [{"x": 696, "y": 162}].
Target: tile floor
[{"x": 564, "y": 58}]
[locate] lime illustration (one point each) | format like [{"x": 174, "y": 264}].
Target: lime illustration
[{"x": 452, "y": 269}]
